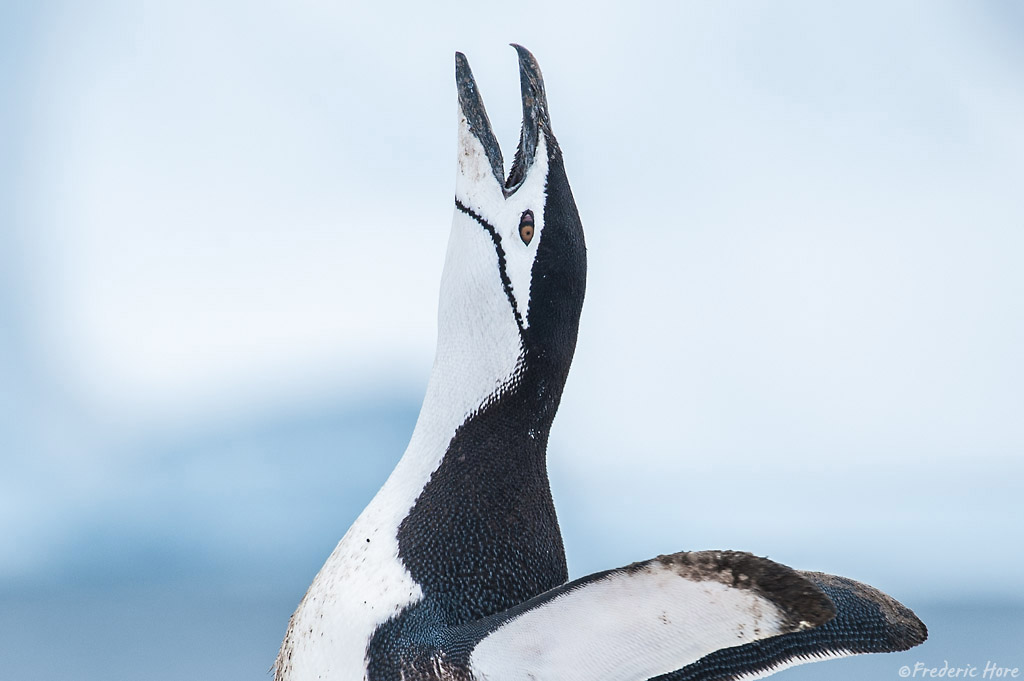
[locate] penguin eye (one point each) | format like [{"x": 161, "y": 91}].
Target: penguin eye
[{"x": 526, "y": 226}]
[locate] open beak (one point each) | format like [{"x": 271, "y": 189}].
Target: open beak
[{"x": 535, "y": 119}]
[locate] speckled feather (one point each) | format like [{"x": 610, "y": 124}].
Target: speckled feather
[{"x": 867, "y": 621}]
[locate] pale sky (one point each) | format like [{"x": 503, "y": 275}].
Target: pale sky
[{"x": 805, "y": 226}]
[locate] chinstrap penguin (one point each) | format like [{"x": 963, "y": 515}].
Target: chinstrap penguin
[{"x": 456, "y": 568}]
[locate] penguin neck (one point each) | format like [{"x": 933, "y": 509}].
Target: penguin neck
[
  {"x": 488, "y": 495},
  {"x": 533, "y": 389},
  {"x": 521, "y": 395}
]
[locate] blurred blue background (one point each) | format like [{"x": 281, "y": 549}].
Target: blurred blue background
[{"x": 222, "y": 228}]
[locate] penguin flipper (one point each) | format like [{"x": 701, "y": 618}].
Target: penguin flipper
[
  {"x": 639, "y": 621},
  {"x": 866, "y": 621}
]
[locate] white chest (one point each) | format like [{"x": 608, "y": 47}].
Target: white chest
[{"x": 361, "y": 585}]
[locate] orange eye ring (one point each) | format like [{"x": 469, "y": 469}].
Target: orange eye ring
[{"x": 526, "y": 227}]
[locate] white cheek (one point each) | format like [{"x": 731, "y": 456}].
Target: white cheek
[
  {"x": 477, "y": 190},
  {"x": 531, "y": 195},
  {"x": 505, "y": 216}
]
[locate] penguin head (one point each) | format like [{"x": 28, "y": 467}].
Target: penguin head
[{"x": 515, "y": 272}]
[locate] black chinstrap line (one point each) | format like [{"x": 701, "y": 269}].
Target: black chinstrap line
[{"x": 506, "y": 282}]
